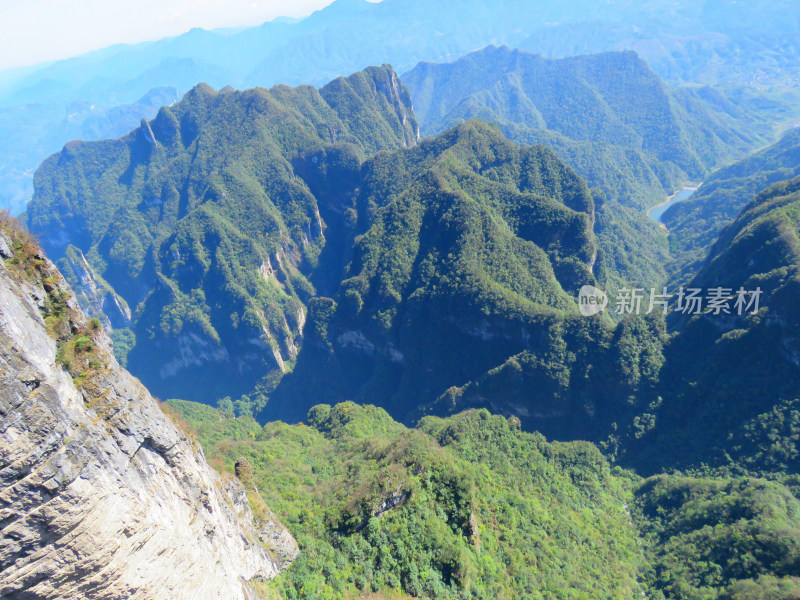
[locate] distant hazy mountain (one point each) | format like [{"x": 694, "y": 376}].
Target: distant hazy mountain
[
  {"x": 683, "y": 41},
  {"x": 349, "y": 34},
  {"x": 710, "y": 42},
  {"x": 32, "y": 131}
]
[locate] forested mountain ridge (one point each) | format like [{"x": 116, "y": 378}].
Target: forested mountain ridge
[
  {"x": 612, "y": 100},
  {"x": 684, "y": 42},
  {"x": 464, "y": 507},
  {"x": 472, "y": 506},
  {"x": 610, "y": 118},
  {"x": 199, "y": 222},
  {"x": 733, "y": 376},
  {"x": 473, "y": 244}
]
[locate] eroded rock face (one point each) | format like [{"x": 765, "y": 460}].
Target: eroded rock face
[
  {"x": 101, "y": 495},
  {"x": 94, "y": 295}
]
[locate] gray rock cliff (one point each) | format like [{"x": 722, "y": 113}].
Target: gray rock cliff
[{"x": 101, "y": 494}]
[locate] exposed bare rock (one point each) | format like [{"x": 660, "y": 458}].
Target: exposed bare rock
[
  {"x": 101, "y": 495},
  {"x": 94, "y": 295}
]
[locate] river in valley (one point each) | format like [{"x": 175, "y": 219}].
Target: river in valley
[{"x": 658, "y": 211}]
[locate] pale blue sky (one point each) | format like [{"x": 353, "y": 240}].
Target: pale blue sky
[{"x": 33, "y": 31}]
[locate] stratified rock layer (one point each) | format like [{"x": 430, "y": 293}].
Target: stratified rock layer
[{"x": 101, "y": 496}]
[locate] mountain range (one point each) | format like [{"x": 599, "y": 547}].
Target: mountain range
[
  {"x": 365, "y": 306},
  {"x": 246, "y": 271},
  {"x": 682, "y": 41},
  {"x": 206, "y": 251},
  {"x": 610, "y": 118}
]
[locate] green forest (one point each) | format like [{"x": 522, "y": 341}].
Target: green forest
[
  {"x": 471, "y": 506},
  {"x": 361, "y": 300}
]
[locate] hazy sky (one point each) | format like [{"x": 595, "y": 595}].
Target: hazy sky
[{"x": 33, "y": 31}]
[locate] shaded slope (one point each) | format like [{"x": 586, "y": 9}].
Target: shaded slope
[
  {"x": 730, "y": 383},
  {"x": 695, "y": 225},
  {"x": 198, "y": 221},
  {"x": 466, "y": 239},
  {"x": 466, "y": 269}
]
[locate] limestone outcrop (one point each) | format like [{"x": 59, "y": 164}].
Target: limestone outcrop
[{"x": 101, "y": 494}]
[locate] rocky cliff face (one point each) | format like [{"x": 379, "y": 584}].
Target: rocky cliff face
[{"x": 101, "y": 495}]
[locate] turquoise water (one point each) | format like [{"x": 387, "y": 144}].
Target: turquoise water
[{"x": 658, "y": 211}]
